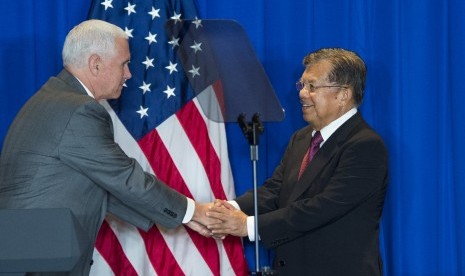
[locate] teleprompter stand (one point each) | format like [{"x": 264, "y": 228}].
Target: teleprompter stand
[
  {"x": 252, "y": 131},
  {"x": 228, "y": 82},
  {"x": 40, "y": 240}
]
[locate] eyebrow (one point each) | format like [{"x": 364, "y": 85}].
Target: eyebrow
[{"x": 308, "y": 81}]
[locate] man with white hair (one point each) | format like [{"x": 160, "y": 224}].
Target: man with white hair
[{"x": 60, "y": 150}]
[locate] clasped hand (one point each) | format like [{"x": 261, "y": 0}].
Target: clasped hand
[{"x": 218, "y": 219}]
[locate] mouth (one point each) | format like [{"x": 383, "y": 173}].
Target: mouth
[{"x": 306, "y": 105}]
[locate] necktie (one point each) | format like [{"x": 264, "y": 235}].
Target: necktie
[{"x": 314, "y": 147}]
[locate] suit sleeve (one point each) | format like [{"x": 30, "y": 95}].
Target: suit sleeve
[
  {"x": 119, "y": 209},
  {"x": 360, "y": 174},
  {"x": 88, "y": 146}
]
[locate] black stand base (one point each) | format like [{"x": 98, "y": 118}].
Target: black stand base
[{"x": 266, "y": 271}]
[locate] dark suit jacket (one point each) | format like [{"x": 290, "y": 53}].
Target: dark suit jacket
[
  {"x": 60, "y": 153},
  {"x": 327, "y": 223}
]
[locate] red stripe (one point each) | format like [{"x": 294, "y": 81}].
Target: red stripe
[
  {"x": 196, "y": 129},
  {"x": 159, "y": 253},
  {"x": 198, "y": 135},
  {"x": 218, "y": 88},
  {"x": 163, "y": 166},
  {"x": 235, "y": 252},
  {"x": 161, "y": 162},
  {"x": 109, "y": 247}
]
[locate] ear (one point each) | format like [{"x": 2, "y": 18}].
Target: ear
[
  {"x": 93, "y": 63},
  {"x": 345, "y": 96}
]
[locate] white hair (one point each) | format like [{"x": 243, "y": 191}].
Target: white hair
[{"x": 88, "y": 38}]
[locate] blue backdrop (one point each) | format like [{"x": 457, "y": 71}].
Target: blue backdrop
[{"x": 415, "y": 90}]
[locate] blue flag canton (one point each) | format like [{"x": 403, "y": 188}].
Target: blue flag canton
[
  {"x": 159, "y": 86},
  {"x": 195, "y": 53}
]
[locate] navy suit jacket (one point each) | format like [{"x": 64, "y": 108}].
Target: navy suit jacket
[
  {"x": 60, "y": 153},
  {"x": 326, "y": 223}
]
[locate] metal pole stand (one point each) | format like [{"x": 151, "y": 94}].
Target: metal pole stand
[{"x": 252, "y": 131}]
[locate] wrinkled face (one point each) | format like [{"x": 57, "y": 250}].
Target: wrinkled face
[
  {"x": 113, "y": 71},
  {"x": 320, "y": 99}
]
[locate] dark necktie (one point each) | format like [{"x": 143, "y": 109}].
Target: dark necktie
[{"x": 314, "y": 147}]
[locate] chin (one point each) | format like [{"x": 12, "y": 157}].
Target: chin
[{"x": 116, "y": 95}]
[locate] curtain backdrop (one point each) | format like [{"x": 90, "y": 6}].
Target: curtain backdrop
[{"x": 414, "y": 97}]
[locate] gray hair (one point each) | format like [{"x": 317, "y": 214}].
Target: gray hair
[
  {"x": 88, "y": 38},
  {"x": 347, "y": 69}
]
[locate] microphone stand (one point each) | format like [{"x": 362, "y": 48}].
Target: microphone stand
[{"x": 252, "y": 131}]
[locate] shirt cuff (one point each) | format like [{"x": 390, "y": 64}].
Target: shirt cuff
[
  {"x": 250, "y": 222},
  {"x": 189, "y": 211},
  {"x": 234, "y": 203},
  {"x": 251, "y": 228}
]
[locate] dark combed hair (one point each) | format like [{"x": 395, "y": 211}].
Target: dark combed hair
[{"x": 347, "y": 69}]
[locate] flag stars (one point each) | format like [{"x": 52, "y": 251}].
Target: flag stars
[
  {"x": 128, "y": 32},
  {"x": 174, "y": 42},
  {"x": 154, "y": 13},
  {"x": 131, "y": 8},
  {"x": 145, "y": 87},
  {"x": 172, "y": 67},
  {"x": 197, "y": 22},
  {"x": 148, "y": 62},
  {"x": 194, "y": 71},
  {"x": 143, "y": 112},
  {"x": 151, "y": 38},
  {"x": 169, "y": 91},
  {"x": 196, "y": 47},
  {"x": 107, "y": 4},
  {"x": 176, "y": 17}
]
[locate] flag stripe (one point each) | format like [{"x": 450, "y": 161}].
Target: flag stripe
[
  {"x": 198, "y": 135},
  {"x": 132, "y": 243},
  {"x": 217, "y": 135},
  {"x": 232, "y": 245},
  {"x": 167, "y": 171},
  {"x": 186, "y": 252},
  {"x": 161, "y": 162},
  {"x": 110, "y": 249},
  {"x": 100, "y": 264},
  {"x": 160, "y": 255}
]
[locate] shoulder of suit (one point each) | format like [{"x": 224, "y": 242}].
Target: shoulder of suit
[
  {"x": 304, "y": 131},
  {"x": 68, "y": 96}
]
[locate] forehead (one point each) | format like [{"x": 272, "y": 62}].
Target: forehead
[{"x": 317, "y": 71}]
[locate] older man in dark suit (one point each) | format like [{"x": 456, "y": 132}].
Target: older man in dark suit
[
  {"x": 60, "y": 152},
  {"x": 321, "y": 208}
]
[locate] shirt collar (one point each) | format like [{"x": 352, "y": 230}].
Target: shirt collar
[
  {"x": 328, "y": 130},
  {"x": 85, "y": 87}
]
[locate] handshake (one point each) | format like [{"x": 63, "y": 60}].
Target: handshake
[{"x": 218, "y": 219}]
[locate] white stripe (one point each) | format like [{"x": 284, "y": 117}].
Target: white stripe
[
  {"x": 100, "y": 266},
  {"x": 125, "y": 140},
  {"x": 225, "y": 264},
  {"x": 217, "y": 134},
  {"x": 133, "y": 245},
  {"x": 186, "y": 159},
  {"x": 185, "y": 252}
]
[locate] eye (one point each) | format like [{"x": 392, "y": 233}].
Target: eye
[{"x": 311, "y": 87}]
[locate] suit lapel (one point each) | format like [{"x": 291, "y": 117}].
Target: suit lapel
[{"x": 324, "y": 156}]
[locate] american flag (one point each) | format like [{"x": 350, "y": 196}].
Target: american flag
[{"x": 159, "y": 121}]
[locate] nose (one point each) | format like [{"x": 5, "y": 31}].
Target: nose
[
  {"x": 303, "y": 93},
  {"x": 127, "y": 73}
]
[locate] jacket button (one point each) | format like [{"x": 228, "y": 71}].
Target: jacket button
[{"x": 282, "y": 262}]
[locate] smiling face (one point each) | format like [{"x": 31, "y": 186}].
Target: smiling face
[
  {"x": 322, "y": 101},
  {"x": 112, "y": 71}
]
